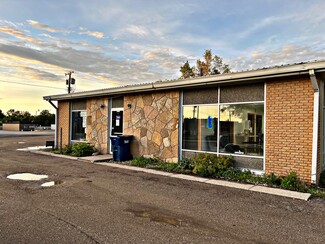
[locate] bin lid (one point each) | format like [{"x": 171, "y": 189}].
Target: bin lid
[{"x": 125, "y": 136}]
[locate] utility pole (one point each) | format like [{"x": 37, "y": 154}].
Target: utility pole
[{"x": 68, "y": 82}]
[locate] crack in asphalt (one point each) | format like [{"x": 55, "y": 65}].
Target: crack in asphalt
[{"x": 71, "y": 224}]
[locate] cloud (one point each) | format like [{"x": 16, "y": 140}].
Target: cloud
[
  {"x": 40, "y": 26},
  {"x": 82, "y": 61},
  {"x": 96, "y": 34},
  {"x": 164, "y": 58},
  {"x": 19, "y": 34},
  {"x": 37, "y": 74},
  {"x": 264, "y": 23},
  {"x": 286, "y": 54},
  {"x": 9, "y": 23},
  {"x": 137, "y": 30}
]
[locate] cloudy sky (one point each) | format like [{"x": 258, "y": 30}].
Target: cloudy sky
[{"x": 110, "y": 43}]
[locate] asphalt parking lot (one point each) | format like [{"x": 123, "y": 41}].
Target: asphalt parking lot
[{"x": 99, "y": 204}]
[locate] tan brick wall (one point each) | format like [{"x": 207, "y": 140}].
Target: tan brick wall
[
  {"x": 153, "y": 120},
  {"x": 11, "y": 127},
  {"x": 64, "y": 122},
  {"x": 289, "y": 127},
  {"x": 97, "y": 123}
]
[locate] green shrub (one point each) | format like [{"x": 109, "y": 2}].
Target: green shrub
[
  {"x": 82, "y": 149},
  {"x": 166, "y": 166},
  {"x": 272, "y": 180},
  {"x": 185, "y": 164},
  {"x": 322, "y": 179},
  {"x": 292, "y": 182},
  {"x": 143, "y": 161},
  {"x": 316, "y": 192},
  {"x": 206, "y": 164},
  {"x": 236, "y": 174},
  {"x": 67, "y": 150}
]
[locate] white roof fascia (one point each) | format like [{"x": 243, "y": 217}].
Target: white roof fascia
[{"x": 280, "y": 71}]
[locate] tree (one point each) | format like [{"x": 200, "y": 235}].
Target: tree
[
  {"x": 187, "y": 71},
  {"x": 21, "y": 116},
  {"x": 45, "y": 118},
  {"x": 2, "y": 115},
  {"x": 211, "y": 65}
]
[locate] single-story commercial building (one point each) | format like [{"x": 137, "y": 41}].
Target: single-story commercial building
[{"x": 270, "y": 120}]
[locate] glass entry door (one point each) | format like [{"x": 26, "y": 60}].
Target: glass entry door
[{"x": 117, "y": 122}]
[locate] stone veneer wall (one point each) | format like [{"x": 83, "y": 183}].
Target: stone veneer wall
[
  {"x": 97, "y": 123},
  {"x": 64, "y": 122},
  {"x": 289, "y": 127},
  {"x": 153, "y": 121}
]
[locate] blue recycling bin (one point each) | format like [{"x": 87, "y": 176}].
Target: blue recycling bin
[{"x": 121, "y": 147}]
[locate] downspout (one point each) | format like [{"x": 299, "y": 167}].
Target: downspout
[
  {"x": 315, "y": 126},
  {"x": 56, "y": 124}
]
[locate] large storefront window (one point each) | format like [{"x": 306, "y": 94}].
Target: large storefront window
[
  {"x": 79, "y": 123},
  {"x": 241, "y": 129},
  {"x": 200, "y": 127}
]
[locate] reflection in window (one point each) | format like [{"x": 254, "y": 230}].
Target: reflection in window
[
  {"x": 79, "y": 125},
  {"x": 200, "y": 128},
  {"x": 241, "y": 129}
]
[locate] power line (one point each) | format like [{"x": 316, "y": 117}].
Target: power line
[{"x": 24, "y": 84}]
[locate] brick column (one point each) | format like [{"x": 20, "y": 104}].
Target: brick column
[
  {"x": 64, "y": 122},
  {"x": 289, "y": 127}
]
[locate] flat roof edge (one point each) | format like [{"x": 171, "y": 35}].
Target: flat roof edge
[{"x": 280, "y": 71}]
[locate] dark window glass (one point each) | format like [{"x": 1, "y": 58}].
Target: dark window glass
[
  {"x": 200, "y": 96},
  {"x": 79, "y": 122},
  {"x": 79, "y": 105},
  {"x": 118, "y": 102},
  {"x": 242, "y": 93}
]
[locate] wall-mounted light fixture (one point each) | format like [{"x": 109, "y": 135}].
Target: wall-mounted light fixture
[{"x": 129, "y": 105}]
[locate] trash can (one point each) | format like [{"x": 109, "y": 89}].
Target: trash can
[{"x": 121, "y": 147}]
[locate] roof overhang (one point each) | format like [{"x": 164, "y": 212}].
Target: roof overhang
[{"x": 245, "y": 76}]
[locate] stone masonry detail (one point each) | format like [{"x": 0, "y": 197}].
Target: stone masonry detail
[
  {"x": 97, "y": 123},
  {"x": 289, "y": 127},
  {"x": 153, "y": 121}
]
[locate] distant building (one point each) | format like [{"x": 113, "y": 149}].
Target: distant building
[{"x": 17, "y": 126}]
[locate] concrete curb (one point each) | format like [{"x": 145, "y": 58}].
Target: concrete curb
[
  {"x": 261, "y": 189},
  {"x": 60, "y": 156}
]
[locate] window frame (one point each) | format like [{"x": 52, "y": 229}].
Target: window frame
[
  {"x": 200, "y": 105},
  {"x": 263, "y": 126},
  {"x": 219, "y": 104},
  {"x": 71, "y": 126}
]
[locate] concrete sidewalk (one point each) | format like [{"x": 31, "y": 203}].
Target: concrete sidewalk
[
  {"x": 91, "y": 159},
  {"x": 256, "y": 188}
]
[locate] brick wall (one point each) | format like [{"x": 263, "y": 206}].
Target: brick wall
[
  {"x": 64, "y": 122},
  {"x": 289, "y": 127},
  {"x": 11, "y": 126}
]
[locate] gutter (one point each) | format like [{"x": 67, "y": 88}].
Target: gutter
[
  {"x": 254, "y": 75},
  {"x": 315, "y": 126},
  {"x": 56, "y": 123}
]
